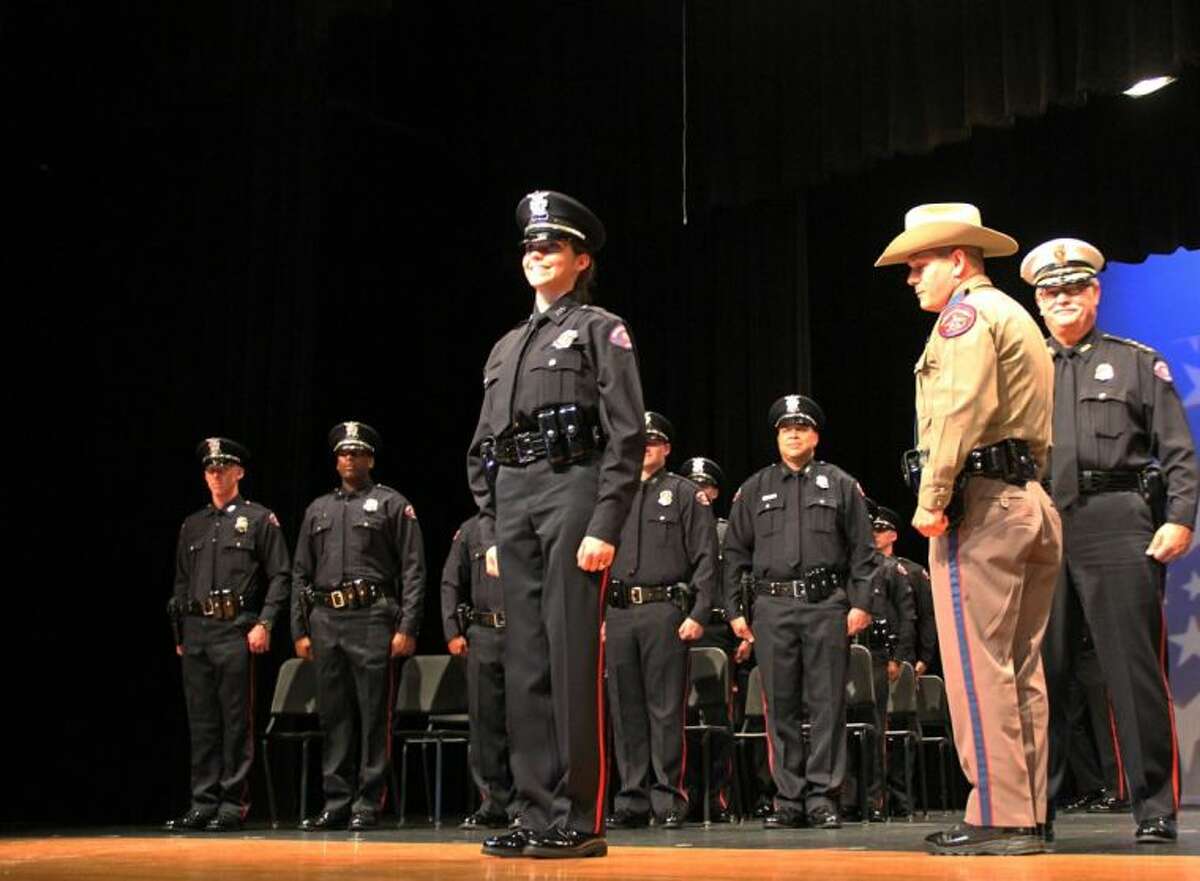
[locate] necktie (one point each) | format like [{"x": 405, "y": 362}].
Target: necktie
[
  {"x": 512, "y": 370},
  {"x": 1064, "y": 472}
]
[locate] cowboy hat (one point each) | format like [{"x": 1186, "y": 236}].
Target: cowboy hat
[{"x": 943, "y": 224}]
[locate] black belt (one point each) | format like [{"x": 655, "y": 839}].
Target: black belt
[
  {"x": 811, "y": 589},
  {"x": 1094, "y": 482},
  {"x": 520, "y": 449},
  {"x": 621, "y": 595},
  {"x": 718, "y": 615},
  {"x": 495, "y": 620},
  {"x": 565, "y": 434},
  {"x": 349, "y": 595},
  {"x": 1009, "y": 460},
  {"x": 223, "y": 605}
]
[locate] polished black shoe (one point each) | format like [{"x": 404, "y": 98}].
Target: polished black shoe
[
  {"x": 325, "y": 821},
  {"x": 511, "y": 844},
  {"x": 762, "y": 810},
  {"x": 1157, "y": 830},
  {"x": 719, "y": 815},
  {"x": 224, "y": 823},
  {"x": 364, "y": 821},
  {"x": 628, "y": 820},
  {"x": 193, "y": 819},
  {"x": 673, "y": 820},
  {"x": 480, "y": 820},
  {"x": 824, "y": 818},
  {"x": 785, "y": 820},
  {"x": 877, "y": 815},
  {"x": 1081, "y": 802},
  {"x": 564, "y": 844},
  {"x": 1109, "y": 804},
  {"x": 967, "y": 840}
]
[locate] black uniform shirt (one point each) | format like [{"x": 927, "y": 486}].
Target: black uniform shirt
[
  {"x": 372, "y": 535},
  {"x": 239, "y": 548},
  {"x": 783, "y": 523},
  {"x": 568, "y": 354},
  {"x": 465, "y": 578},
  {"x": 894, "y": 601},
  {"x": 670, "y": 536},
  {"x": 1129, "y": 415},
  {"x": 922, "y": 588}
]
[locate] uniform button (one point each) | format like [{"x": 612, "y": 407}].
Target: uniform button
[
  {"x": 661, "y": 517},
  {"x": 553, "y": 361},
  {"x": 1004, "y": 504},
  {"x": 1103, "y": 395}
]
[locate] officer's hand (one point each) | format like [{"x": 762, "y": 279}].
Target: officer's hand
[
  {"x": 1170, "y": 542},
  {"x": 690, "y": 630},
  {"x": 929, "y": 523},
  {"x": 403, "y": 645},
  {"x": 857, "y": 621},
  {"x": 594, "y": 554},
  {"x": 893, "y": 671},
  {"x": 491, "y": 562},
  {"x": 457, "y": 646},
  {"x": 258, "y": 639},
  {"x": 919, "y": 668},
  {"x": 304, "y": 648},
  {"x": 744, "y": 650},
  {"x": 741, "y": 629},
  {"x": 179, "y": 650}
]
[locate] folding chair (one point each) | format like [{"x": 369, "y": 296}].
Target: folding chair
[
  {"x": 708, "y": 672},
  {"x": 294, "y": 710},
  {"x": 902, "y": 708},
  {"x": 933, "y": 713},
  {"x": 860, "y": 701}
]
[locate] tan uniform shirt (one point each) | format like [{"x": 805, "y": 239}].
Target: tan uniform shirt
[{"x": 985, "y": 376}]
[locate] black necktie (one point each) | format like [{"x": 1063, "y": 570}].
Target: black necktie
[{"x": 1064, "y": 472}]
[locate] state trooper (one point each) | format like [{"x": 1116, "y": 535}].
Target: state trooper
[
  {"x": 1124, "y": 478},
  {"x": 660, "y": 594},
  {"x": 357, "y": 596},
  {"x": 232, "y": 575},
  {"x": 474, "y": 625},
  {"x": 799, "y": 542}
]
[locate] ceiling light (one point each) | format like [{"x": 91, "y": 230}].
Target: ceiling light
[{"x": 1145, "y": 87}]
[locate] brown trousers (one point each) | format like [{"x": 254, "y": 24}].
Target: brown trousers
[{"x": 993, "y": 583}]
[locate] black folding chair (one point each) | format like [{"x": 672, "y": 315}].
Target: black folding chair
[
  {"x": 711, "y": 686},
  {"x": 902, "y": 709},
  {"x": 293, "y": 718},
  {"x": 933, "y": 713}
]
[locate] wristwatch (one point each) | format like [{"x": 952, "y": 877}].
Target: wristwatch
[{"x": 266, "y": 623}]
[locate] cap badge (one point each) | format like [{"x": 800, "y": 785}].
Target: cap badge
[
  {"x": 666, "y": 497},
  {"x": 564, "y": 339},
  {"x": 214, "y": 446},
  {"x": 822, "y": 481},
  {"x": 538, "y": 208},
  {"x": 242, "y": 524},
  {"x": 351, "y": 431},
  {"x": 792, "y": 403},
  {"x": 1060, "y": 254},
  {"x": 698, "y": 466},
  {"x": 1104, "y": 372},
  {"x": 371, "y": 505},
  {"x": 648, "y": 422}
]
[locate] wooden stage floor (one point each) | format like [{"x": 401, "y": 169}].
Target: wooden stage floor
[{"x": 1094, "y": 849}]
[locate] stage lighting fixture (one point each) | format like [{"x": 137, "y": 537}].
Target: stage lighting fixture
[{"x": 1145, "y": 87}]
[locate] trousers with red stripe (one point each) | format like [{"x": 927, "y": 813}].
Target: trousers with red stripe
[
  {"x": 553, "y": 665},
  {"x": 1109, "y": 582},
  {"x": 993, "y": 583}
]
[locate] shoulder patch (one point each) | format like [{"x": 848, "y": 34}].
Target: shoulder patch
[
  {"x": 737, "y": 495},
  {"x": 410, "y": 512},
  {"x": 900, "y": 566},
  {"x": 702, "y": 498},
  {"x": 457, "y": 535},
  {"x": 858, "y": 486},
  {"x": 1162, "y": 371},
  {"x": 956, "y": 320},
  {"x": 619, "y": 337},
  {"x": 273, "y": 520}
]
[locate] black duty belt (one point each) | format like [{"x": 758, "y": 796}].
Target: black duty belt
[
  {"x": 1094, "y": 482},
  {"x": 718, "y": 615},
  {"x": 621, "y": 595},
  {"x": 565, "y": 433},
  {"x": 495, "y": 620},
  {"x": 814, "y": 587},
  {"x": 349, "y": 595},
  {"x": 1009, "y": 460},
  {"x": 223, "y": 605},
  {"x": 520, "y": 449}
]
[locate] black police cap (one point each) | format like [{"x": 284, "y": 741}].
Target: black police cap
[
  {"x": 659, "y": 426},
  {"x": 221, "y": 450},
  {"x": 701, "y": 470},
  {"x": 793, "y": 409},
  {"x": 545, "y": 215},
  {"x": 885, "y": 518},
  {"x": 354, "y": 436}
]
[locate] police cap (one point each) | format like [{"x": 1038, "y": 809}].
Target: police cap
[
  {"x": 545, "y": 215},
  {"x": 221, "y": 451},
  {"x": 354, "y": 436},
  {"x": 658, "y": 426},
  {"x": 796, "y": 410}
]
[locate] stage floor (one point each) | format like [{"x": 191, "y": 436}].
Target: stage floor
[{"x": 1088, "y": 847}]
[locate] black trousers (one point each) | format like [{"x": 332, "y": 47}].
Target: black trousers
[
  {"x": 804, "y": 656},
  {"x": 486, "y": 705},
  {"x": 1092, "y": 761},
  {"x": 218, "y": 685},
  {"x": 554, "y": 665},
  {"x": 355, "y": 691},
  {"x": 876, "y": 770},
  {"x": 647, "y": 666},
  {"x": 1119, "y": 591}
]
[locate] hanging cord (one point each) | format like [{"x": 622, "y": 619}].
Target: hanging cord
[{"x": 683, "y": 134}]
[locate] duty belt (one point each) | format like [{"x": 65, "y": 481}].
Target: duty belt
[
  {"x": 349, "y": 595},
  {"x": 621, "y": 595},
  {"x": 494, "y": 620},
  {"x": 223, "y": 605},
  {"x": 565, "y": 433},
  {"x": 520, "y": 449},
  {"x": 1093, "y": 482},
  {"x": 1009, "y": 460},
  {"x": 813, "y": 588}
]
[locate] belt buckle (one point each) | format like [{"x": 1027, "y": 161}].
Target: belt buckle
[
  {"x": 337, "y": 599},
  {"x": 207, "y": 607},
  {"x": 525, "y": 453},
  {"x": 799, "y": 590},
  {"x": 635, "y": 595},
  {"x": 498, "y": 617}
]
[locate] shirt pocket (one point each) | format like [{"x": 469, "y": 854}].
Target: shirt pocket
[
  {"x": 369, "y": 529},
  {"x": 238, "y": 555},
  {"x": 771, "y": 512},
  {"x": 556, "y": 374},
  {"x": 1106, "y": 410},
  {"x": 662, "y": 525},
  {"x": 319, "y": 531},
  {"x": 821, "y": 514}
]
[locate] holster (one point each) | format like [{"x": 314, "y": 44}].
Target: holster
[
  {"x": 746, "y": 595},
  {"x": 487, "y": 452},
  {"x": 306, "y": 605},
  {"x": 1153, "y": 488},
  {"x": 175, "y": 615},
  {"x": 462, "y": 614}
]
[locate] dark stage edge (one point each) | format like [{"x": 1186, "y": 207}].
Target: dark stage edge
[{"x": 1076, "y": 834}]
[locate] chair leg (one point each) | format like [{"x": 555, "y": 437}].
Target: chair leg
[
  {"x": 264, "y": 744},
  {"x": 404, "y": 783},
  {"x": 921, "y": 771},
  {"x": 908, "y": 775},
  {"x": 396, "y": 802},
  {"x": 437, "y": 785},
  {"x": 304, "y": 777},
  {"x": 942, "y": 779},
  {"x": 706, "y": 773}
]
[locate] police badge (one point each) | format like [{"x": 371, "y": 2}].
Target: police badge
[
  {"x": 371, "y": 505},
  {"x": 666, "y": 497},
  {"x": 822, "y": 481},
  {"x": 1104, "y": 372},
  {"x": 242, "y": 524}
]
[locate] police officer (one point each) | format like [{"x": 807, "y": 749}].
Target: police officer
[
  {"x": 562, "y": 420},
  {"x": 474, "y": 624},
  {"x": 984, "y": 386},
  {"x": 357, "y": 596},
  {"x": 799, "y": 532},
  {"x": 660, "y": 593},
  {"x": 231, "y": 581},
  {"x": 1123, "y": 475}
]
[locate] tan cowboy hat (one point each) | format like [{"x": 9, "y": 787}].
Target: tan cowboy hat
[{"x": 941, "y": 224}]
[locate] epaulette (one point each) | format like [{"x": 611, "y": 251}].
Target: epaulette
[{"x": 1134, "y": 343}]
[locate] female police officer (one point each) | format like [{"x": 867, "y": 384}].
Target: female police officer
[{"x": 554, "y": 465}]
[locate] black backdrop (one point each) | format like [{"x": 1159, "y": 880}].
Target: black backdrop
[{"x": 261, "y": 219}]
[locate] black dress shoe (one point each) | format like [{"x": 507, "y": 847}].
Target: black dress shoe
[
  {"x": 877, "y": 815},
  {"x": 1080, "y": 802},
  {"x": 1156, "y": 830},
  {"x": 325, "y": 821},
  {"x": 480, "y": 820},
  {"x": 967, "y": 840},
  {"x": 628, "y": 820},
  {"x": 511, "y": 844},
  {"x": 673, "y": 820},
  {"x": 785, "y": 820},
  {"x": 193, "y": 819},
  {"x": 719, "y": 815},
  {"x": 1109, "y": 804},
  {"x": 363, "y": 821},
  {"x": 762, "y": 810},
  {"x": 224, "y": 823},
  {"x": 561, "y": 844},
  {"x": 824, "y": 818}
]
